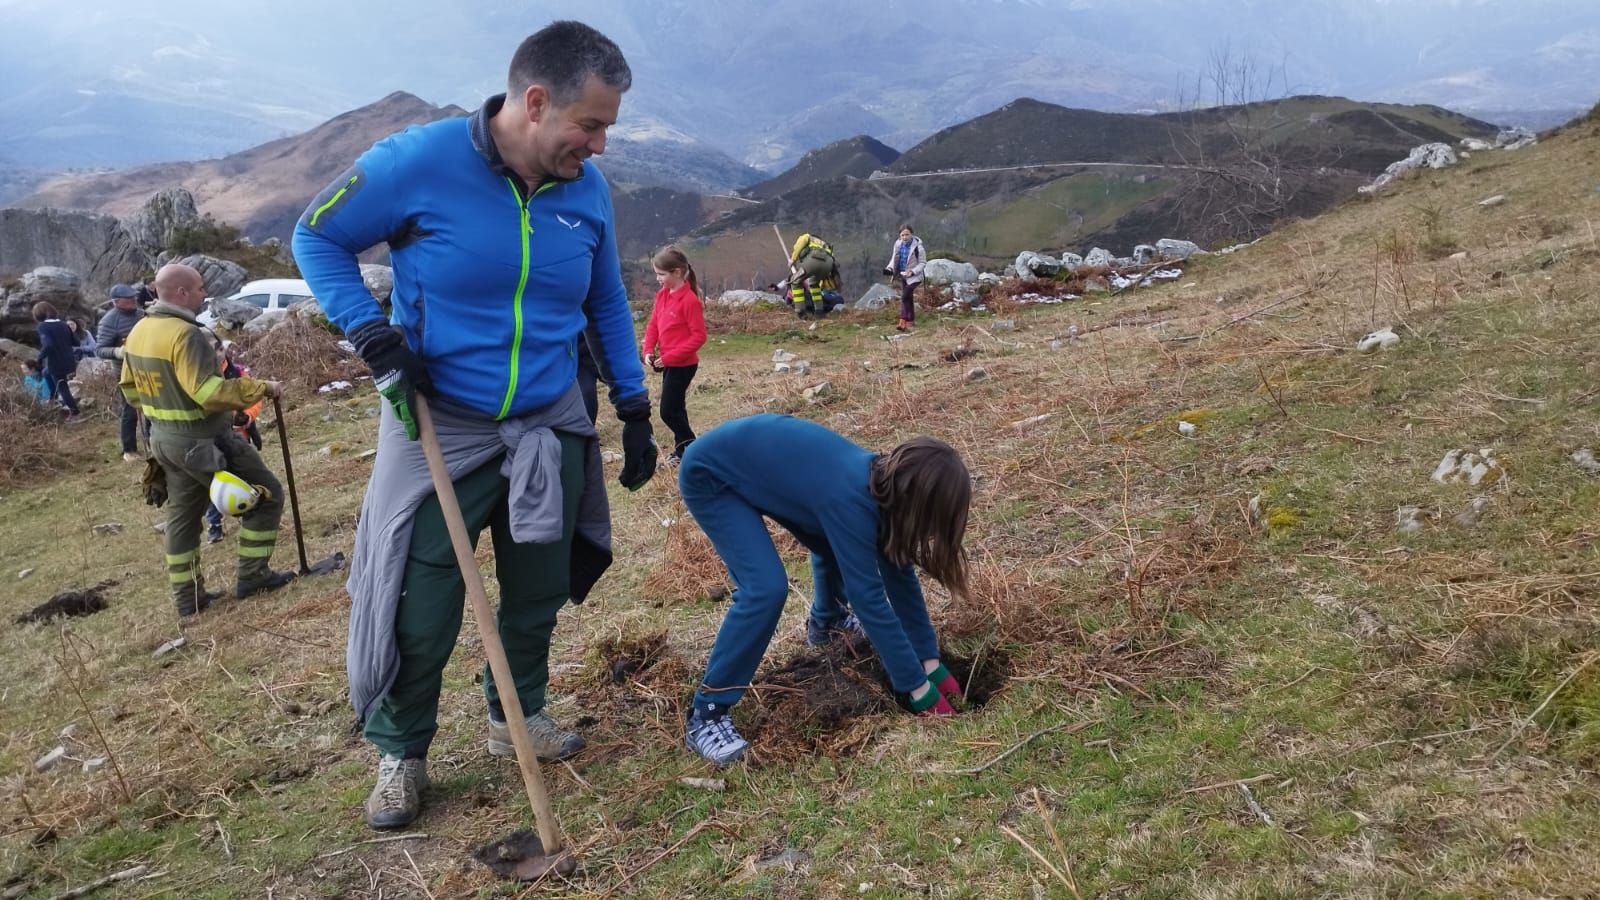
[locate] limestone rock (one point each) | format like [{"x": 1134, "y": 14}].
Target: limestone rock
[
  {"x": 61, "y": 288},
  {"x": 97, "y": 247},
  {"x": 1036, "y": 264},
  {"x": 746, "y": 298},
  {"x": 156, "y": 223},
  {"x": 1382, "y": 339},
  {"x": 877, "y": 297},
  {"x": 232, "y": 315},
  {"x": 1071, "y": 261},
  {"x": 1408, "y": 519},
  {"x": 379, "y": 280},
  {"x": 975, "y": 375},
  {"x": 1496, "y": 200},
  {"x": 1173, "y": 248},
  {"x": 1099, "y": 258},
  {"x": 222, "y": 276},
  {"x": 49, "y": 760},
  {"x": 946, "y": 271},
  {"x": 1144, "y": 254},
  {"x": 268, "y": 320},
  {"x": 1429, "y": 156}
]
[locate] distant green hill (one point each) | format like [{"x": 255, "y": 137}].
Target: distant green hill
[
  {"x": 1035, "y": 176},
  {"x": 856, "y": 157}
]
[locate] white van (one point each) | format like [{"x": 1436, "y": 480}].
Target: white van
[{"x": 270, "y": 295}]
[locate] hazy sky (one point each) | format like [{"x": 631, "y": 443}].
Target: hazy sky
[{"x": 726, "y": 69}]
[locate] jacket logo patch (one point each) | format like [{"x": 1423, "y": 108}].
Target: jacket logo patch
[{"x": 563, "y": 221}]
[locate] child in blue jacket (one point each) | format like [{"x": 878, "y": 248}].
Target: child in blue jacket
[{"x": 881, "y": 515}]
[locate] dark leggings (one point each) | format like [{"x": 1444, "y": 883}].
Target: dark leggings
[
  {"x": 59, "y": 388},
  {"x": 908, "y": 305},
  {"x": 674, "y": 410}
]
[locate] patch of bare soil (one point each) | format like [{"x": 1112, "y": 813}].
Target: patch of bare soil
[{"x": 68, "y": 604}]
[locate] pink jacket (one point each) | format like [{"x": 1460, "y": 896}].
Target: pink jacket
[{"x": 678, "y": 324}]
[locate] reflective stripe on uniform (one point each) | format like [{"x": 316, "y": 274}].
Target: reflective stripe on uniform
[
  {"x": 247, "y": 534},
  {"x": 175, "y": 415},
  {"x": 207, "y": 388},
  {"x": 255, "y": 552}
]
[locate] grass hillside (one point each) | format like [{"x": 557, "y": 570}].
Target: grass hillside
[
  {"x": 988, "y": 187},
  {"x": 1270, "y": 658}
]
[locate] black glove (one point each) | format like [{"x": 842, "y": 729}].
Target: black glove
[
  {"x": 638, "y": 442},
  {"x": 154, "y": 483},
  {"x": 398, "y": 372},
  {"x": 888, "y": 270}
]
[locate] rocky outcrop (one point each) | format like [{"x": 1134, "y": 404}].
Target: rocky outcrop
[
  {"x": 98, "y": 248},
  {"x": 61, "y": 288},
  {"x": 1143, "y": 254},
  {"x": 161, "y": 218},
  {"x": 222, "y": 276},
  {"x": 1427, "y": 156},
  {"x": 1100, "y": 258},
  {"x": 232, "y": 315}
]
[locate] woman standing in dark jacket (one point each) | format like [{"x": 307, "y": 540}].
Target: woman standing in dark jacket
[{"x": 56, "y": 355}]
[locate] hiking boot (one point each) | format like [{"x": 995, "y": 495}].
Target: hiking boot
[
  {"x": 397, "y": 797},
  {"x": 214, "y": 534},
  {"x": 550, "y": 741},
  {"x": 713, "y": 736},
  {"x": 191, "y": 606},
  {"x": 270, "y": 581}
]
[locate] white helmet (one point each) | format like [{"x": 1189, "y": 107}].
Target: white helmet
[{"x": 230, "y": 493}]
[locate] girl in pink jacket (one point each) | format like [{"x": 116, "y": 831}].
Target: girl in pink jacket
[{"x": 678, "y": 328}]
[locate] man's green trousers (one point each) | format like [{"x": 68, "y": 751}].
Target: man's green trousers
[{"x": 535, "y": 582}]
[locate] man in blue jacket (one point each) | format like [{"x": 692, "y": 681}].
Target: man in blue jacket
[{"x": 501, "y": 236}]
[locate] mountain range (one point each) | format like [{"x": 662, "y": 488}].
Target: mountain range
[{"x": 145, "y": 81}]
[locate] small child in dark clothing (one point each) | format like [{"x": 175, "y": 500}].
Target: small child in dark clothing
[{"x": 56, "y": 356}]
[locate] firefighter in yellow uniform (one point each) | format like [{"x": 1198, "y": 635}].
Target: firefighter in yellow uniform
[
  {"x": 813, "y": 274},
  {"x": 170, "y": 370}
]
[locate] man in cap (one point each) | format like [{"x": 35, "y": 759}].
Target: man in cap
[
  {"x": 170, "y": 369},
  {"x": 115, "y": 326}
]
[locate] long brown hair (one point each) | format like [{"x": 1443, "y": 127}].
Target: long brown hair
[
  {"x": 923, "y": 491},
  {"x": 671, "y": 259}
]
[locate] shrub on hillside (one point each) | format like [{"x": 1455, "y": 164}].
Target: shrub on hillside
[
  {"x": 29, "y": 437},
  {"x": 206, "y": 236}
]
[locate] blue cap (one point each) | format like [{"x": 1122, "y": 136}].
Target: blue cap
[{"x": 123, "y": 292}]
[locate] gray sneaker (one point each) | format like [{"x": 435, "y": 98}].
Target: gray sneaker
[
  {"x": 715, "y": 739},
  {"x": 550, "y": 741},
  {"x": 397, "y": 797}
]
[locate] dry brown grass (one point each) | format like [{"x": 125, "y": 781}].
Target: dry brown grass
[{"x": 302, "y": 352}]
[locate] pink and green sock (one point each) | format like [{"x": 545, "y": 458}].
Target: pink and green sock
[{"x": 931, "y": 703}]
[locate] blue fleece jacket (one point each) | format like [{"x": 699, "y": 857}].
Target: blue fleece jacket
[
  {"x": 493, "y": 280},
  {"x": 835, "y": 518}
]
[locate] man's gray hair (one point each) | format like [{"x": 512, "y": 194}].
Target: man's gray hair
[{"x": 562, "y": 56}]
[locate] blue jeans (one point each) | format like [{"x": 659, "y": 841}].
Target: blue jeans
[{"x": 59, "y": 388}]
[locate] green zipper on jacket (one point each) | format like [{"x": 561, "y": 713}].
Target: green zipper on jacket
[
  {"x": 522, "y": 283},
  {"x": 332, "y": 200}
]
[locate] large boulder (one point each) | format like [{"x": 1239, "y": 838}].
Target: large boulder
[
  {"x": 161, "y": 218},
  {"x": 1427, "y": 156},
  {"x": 265, "y": 322},
  {"x": 1172, "y": 248},
  {"x": 232, "y": 315},
  {"x": 97, "y": 247},
  {"x": 1100, "y": 258},
  {"x": 1071, "y": 261},
  {"x": 948, "y": 271},
  {"x": 1144, "y": 254},
  {"x": 1514, "y": 138},
  {"x": 379, "y": 280},
  {"x": 310, "y": 311},
  {"x": 222, "y": 276},
  {"x": 1036, "y": 264},
  {"x": 61, "y": 288},
  {"x": 745, "y": 298},
  {"x": 877, "y": 297},
  {"x": 13, "y": 350}
]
